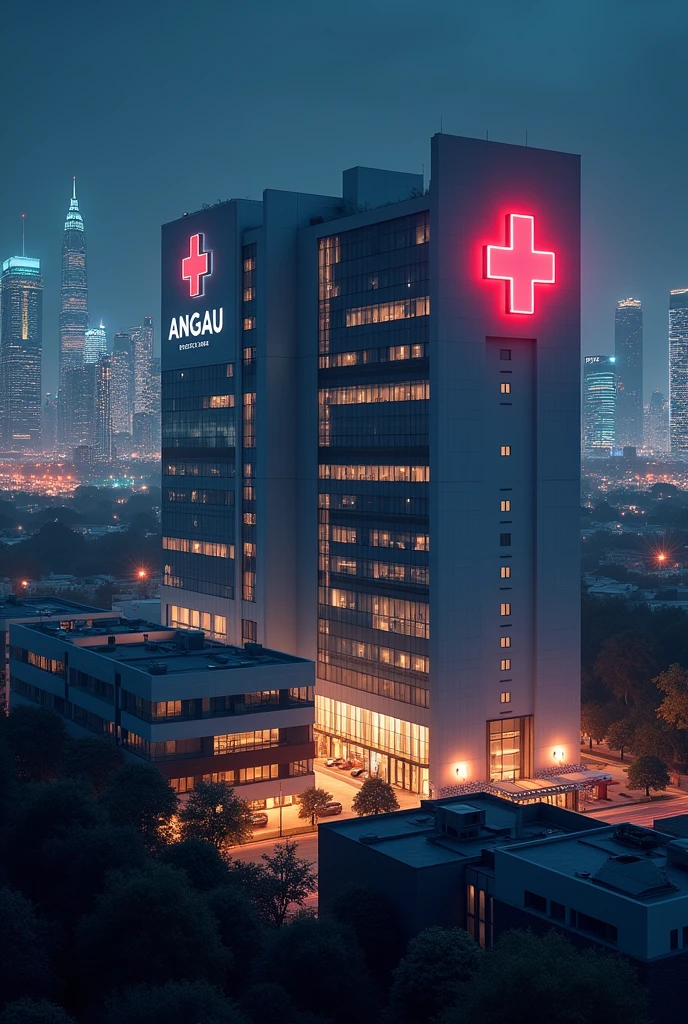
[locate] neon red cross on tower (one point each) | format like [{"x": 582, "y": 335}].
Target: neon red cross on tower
[
  {"x": 520, "y": 264},
  {"x": 196, "y": 265}
]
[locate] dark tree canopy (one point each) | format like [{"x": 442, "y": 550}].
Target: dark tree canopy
[
  {"x": 203, "y": 864},
  {"x": 432, "y": 976},
  {"x": 283, "y": 881},
  {"x": 176, "y": 1002},
  {"x": 648, "y": 772},
  {"x": 373, "y": 921},
  {"x": 25, "y": 964},
  {"x": 34, "y": 1011},
  {"x": 212, "y": 812},
  {"x": 91, "y": 759},
  {"x": 375, "y": 797},
  {"x": 36, "y": 737},
  {"x": 312, "y": 803},
  {"x": 241, "y": 929},
  {"x": 139, "y": 796}
]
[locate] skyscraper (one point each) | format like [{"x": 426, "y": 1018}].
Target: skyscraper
[
  {"x": 628, "y": 349},
  {"x": 599, "y": 404},
  {"x": 80, "y": 405},
  {"x": 74, "y": 304},
  {"x": 49, "y": 423},
  {"x": 142, "y": 355},
  {"x": 103, "y": 411},
  {"x": 122, "y": 384},
  {"x": 657, "y": 424},
  {"x": 371, "y": 434},
  {"x": 96, "y": 344},
  {"x": 678, "y": 370},
  {"x": 21, "y": 347}
]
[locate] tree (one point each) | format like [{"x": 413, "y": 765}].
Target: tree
[
  {"x": 674, "y": 708},
  {"x": 148, "y": 927},
  {"x": 34, "y": 1011},
  {"x": 373, "y": 921},
  {"x": 184, "y": 1002},
  {"x": 375, "y": 797},
  {"x": 312, "y": 803},
  {"x": 138, "y": 795},
  {"x": 648, "y": 772},
  {"x": 620, "y": 734},
  {"x": 319, "y": 964},
  {"x": 626, "y": 665},
  {"x": 241, "y": 929},
  {"x": 432, "y": 975},
  {"x": 283, "y": 881},
  {"x": 25, "y": 964},
  {"x": 92, "y": 759},
  {"x": 212, "y": 812},
  {"x": 267, "y": 1003},
  {"x": 595, "y": 720},
  {"x": 36, "y": 737},
  {"x": 530, "y": 978},
  {"x": 203, "y": 864}
]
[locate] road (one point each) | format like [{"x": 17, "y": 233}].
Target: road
[{"x": 674, "y": 802}]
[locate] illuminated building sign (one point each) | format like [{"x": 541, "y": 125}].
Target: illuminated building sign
[
  {"x": 196, "y": 265},
  {"x": 520, "y": 264}
]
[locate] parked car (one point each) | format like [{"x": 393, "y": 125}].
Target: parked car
[
  {"x": 333, "y": 807},
  {"x": 359, "y": 771},
  {"x": 259, "y": 819},
  {"x": 330, "y": 762},
  {"x": 345, "y": 766}
]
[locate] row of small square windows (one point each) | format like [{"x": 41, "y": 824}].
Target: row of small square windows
[{"x": 505, "y": 539}]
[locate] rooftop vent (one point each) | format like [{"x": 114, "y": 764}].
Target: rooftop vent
[
  {"x": 157, "y": 668},
  {"x": 221, "y": 659},
  {"x": 253, "y": 649},
  {"x": 190, "y": 639},
  {"x": 633, "y": 835},
  {"x": 369, "y": 837}
]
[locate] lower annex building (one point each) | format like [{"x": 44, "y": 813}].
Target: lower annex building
[{"x": 370, "y": 417}]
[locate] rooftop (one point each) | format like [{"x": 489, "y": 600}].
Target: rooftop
[
  {"x": 159, "y": 650},
  {"x": 636, "y": 863},
  {"x": 39, "y": 607}
]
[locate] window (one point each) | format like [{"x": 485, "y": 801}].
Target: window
[
  {"x": 505, "y": 387},
  {"x": 505, "y": 641},
  {"x": 505, "y": 608},
  {"x": 249, "y": 630},
  {"x": 505, "y": 354},
  {"x": 505, "y": 665},
  {"x": 505, "y": 450},
  {"x": 257, "y": 740},
  {"x": 505, "y": 697},
  {"x": 505, "y": 505},
  {"x": 505, "y": 540},
  {"x": 673, "y": 938},
  {"x": 593, "y": 926},
  {"x": 557, "y": 911},
  {"x": 249, "y": 323},
  {"x": 535, "y": 902},
  {"x": 505, "y": 572},
  {"x": 249, "y": 264}
]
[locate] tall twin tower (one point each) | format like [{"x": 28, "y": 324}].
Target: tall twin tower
[{"x": 73, "y": 306}]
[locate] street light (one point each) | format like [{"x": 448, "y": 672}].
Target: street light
[{"x": 280, "y": 807}]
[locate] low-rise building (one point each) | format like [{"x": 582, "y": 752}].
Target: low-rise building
[
  {"x": 196, "y": 708},
  {"x": 488, "y": 865}
]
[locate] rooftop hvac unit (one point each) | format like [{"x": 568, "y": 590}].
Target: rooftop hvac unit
[{"x": 157, "y": 668}]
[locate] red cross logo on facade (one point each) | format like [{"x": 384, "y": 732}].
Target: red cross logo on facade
[
  {"x": 196, "y": 265},
  {"x": 520, "y": 264}
]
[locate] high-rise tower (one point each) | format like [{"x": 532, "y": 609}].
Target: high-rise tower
[
  {"x": 599, "y": 402},
  {"x": 678, "y": 370},
  {"x": 74, "y": 303},
  {"x": 628, "y": 349},
  {"x": 142, "y": 355},
  {"x": 21, "y": 316},
  {"x": 122, "y": 384},
  {"x": 96, "y": 344}
]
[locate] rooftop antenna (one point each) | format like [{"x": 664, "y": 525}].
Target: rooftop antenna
[
  {"x": 23, "y": 224},
  {"x": 74, "y": 187}
]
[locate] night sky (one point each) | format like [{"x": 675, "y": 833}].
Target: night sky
[{"x": 158, "y": 106}]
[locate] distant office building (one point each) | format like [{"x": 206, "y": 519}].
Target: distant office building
[
  {"x": 371, "y": 453},
  {"x": 628, "y": 349},
  {"x": 142, "y": 356},
  {"x": 657, "y": 424},
  {"x": 122, "y": 384},
  {"x": 103, "y": 411},
  {"x": 678, "y": 370},
  {"x": 96, "y": 344},
  {"x": 74, "y": 305},
  {"x": 21, "y": 347},
  {"x": 196, "y": 709},
  {"x": 49, "y": 424},
  {"x": 83, "y": 457},
  {"x": 80, "y": 405},
  {"x": 154, "y": 387},
  {"x": 146, "y": 433},
  {"x": 599, "y": 405}
]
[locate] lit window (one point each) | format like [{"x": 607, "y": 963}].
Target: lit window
[
  {"x": 505, "y": 665},
  {"x": 249, "y": 294},
  {"x": 505, "y": 387},
  {"x": 505, "y": 506},
  {"x": 505, "y": 449},
  {"x": 505, "y": 353},
  {"x": 505, "y": 641},
  {"x": 505, "y": 572},
  {"x": 249, "y": 264},
  {"x": 505, "y": 698},
  {"x": 505, "y": 608},
  {"x": 249, "y": 323}
]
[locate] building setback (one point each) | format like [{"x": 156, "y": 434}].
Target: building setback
[
  {"x": 599, "y": 405},
  {"x": 370, "y": 440},
  {"x": 21, "y": 350},
  {"x": 195, "y": 708}
]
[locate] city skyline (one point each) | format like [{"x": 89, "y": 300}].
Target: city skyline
[{"x": 632, "y": 225}]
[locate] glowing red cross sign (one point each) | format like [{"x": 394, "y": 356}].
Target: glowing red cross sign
[
  {"x": 196, "y": 265},
  {"x": 520, "y": 264}
]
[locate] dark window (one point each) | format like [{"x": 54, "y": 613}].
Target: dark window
[
  {"x": 557, "y": 911},
  {"x": 505, "y": 353},
  {"x": 593, "y": 926},
  {"x": 249, "y": 630},
  {"x": 505, "y": 540},
  {"x": 673, "y": 938},
  {"x": 534, "y": 902}
]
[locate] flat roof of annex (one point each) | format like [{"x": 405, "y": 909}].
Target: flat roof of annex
[
  {"x": 155, "y": 649},
  {"x": 47, "y": 606}
]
